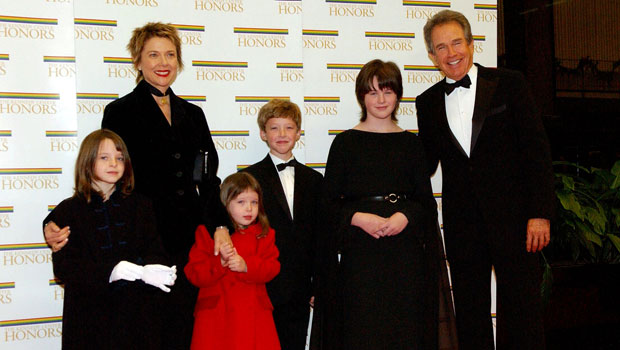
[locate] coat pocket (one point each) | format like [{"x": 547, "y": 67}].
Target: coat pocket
[
  {"x": 206, "y": 303},
  {"x": 497, "y": 110}
]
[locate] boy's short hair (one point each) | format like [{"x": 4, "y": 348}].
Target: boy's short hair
[{"x": 278, "y": 108}]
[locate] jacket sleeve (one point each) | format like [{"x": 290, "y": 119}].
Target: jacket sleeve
[
  {"x": 536, "y": 153},
  {"x": 427, "y": 134},
  {"x": 152, "y": 251},
  {"x": 213, "y": 210},
  {"x": 204, "y": 268},
  {"x": 73, "y": 264},
  {"x": 113, "y": 120},
  {"x": 264, "y": 265},
  {"x": 422, "y": 209}
]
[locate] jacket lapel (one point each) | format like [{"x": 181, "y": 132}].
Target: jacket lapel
[
  {"x": 485, "y": 90},
  {"x": 154, "y": 116},
  {"x": 274, "y": 183},
  {"x": 300, "y": 173},
  {"x": 443, "y": 117}
]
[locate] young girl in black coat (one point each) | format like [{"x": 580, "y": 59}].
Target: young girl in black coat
[{"x": 110, "y": 266}]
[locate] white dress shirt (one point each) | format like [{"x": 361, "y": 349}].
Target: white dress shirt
[
  {"x": 287, "y": 178},
  {"x": 460, "y": 110}
]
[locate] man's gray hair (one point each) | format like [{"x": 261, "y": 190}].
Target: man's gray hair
[{"x": 443, "y": 17}]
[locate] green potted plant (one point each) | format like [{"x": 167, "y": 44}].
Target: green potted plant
[
  {"x": 587, "y": 228},
  {"x": 582, "y": 263}
]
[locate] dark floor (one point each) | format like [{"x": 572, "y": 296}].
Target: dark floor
[{"x": 601, "y": 337}]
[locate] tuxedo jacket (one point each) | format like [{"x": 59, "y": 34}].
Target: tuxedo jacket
[
  {"x": 296, "y": 237},
  {"x": 508, "y": 177}
]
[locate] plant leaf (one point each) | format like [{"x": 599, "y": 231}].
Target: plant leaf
[
  {"x": 596, "y": 218},
  {"x": 616, "y": 213},
  {"x": 568, "y": 182},
  {"x": 561, "y": 162},
  {"x": 589, "y": 236},
  {"x": 616, "y": 168},
  {"x": 615, "y": 240},
  {"x": 569, "y": 202},
  {"x": 589, "y": 247},
  {"x": 546, "y": 285}
]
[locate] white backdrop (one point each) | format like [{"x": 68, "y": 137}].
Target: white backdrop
[{"x": 62, "y": 61}]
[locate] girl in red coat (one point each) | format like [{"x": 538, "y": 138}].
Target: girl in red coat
[{"x": 233, "y": 311}]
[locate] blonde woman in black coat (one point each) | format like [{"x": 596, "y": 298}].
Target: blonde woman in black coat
[{"x": 175, "y": 164}]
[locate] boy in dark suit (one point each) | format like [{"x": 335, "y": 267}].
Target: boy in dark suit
[{"x": 290, "y": 197}]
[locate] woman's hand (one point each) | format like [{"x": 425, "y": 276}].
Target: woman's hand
[
  {"x": 394, "y": 225},
  {"x": 370, "y": 223},
  {"x": 221, "y": 236}
]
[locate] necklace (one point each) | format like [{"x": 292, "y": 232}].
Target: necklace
[{"x": 155, "y": 92}]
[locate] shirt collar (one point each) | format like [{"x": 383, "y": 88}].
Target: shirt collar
[
  {"x": 277, "y": 160},
  {"x": 473, "y": 73}
]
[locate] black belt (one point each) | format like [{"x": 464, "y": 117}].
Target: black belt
[{"x": 392, "y": 198}]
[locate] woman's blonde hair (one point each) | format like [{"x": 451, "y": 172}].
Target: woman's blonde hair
[
  {"x": 141, "y": 35},
  {"x": 85, "y": 164}
]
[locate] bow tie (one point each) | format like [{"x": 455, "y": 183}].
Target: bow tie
[
  {"x": 283, "y": 166},
  {"x": 449, "y": 87}
]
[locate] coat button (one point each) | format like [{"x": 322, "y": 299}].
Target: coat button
[
  {"x": 179, "y": 173},
  {"x": 177, "y": 155},
  {"x": 180, "y": 192}
]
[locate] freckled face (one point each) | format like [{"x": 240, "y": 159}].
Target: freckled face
[
  {"x": 243, "y": 209},
  {"x": 158, "y": 62},
  {"x": 452, "y": 54}
]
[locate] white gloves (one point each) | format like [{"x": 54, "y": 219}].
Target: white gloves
[
  {"x": 125, "y": 270},
  {"x": 160, "y": 276}
]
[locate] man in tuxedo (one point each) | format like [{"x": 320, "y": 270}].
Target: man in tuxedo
[
  {"x": 290, "y": 197},
  {"x": 497, "y": 187}
]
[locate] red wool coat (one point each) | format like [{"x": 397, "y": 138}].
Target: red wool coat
[{"x": 233, "y": 311}]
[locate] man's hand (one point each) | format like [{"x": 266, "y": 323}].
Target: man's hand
[
  {"x": 56, "y": 237},
  {"x": 538, "y": 234},
  {"x": 221, "y": 236}
]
